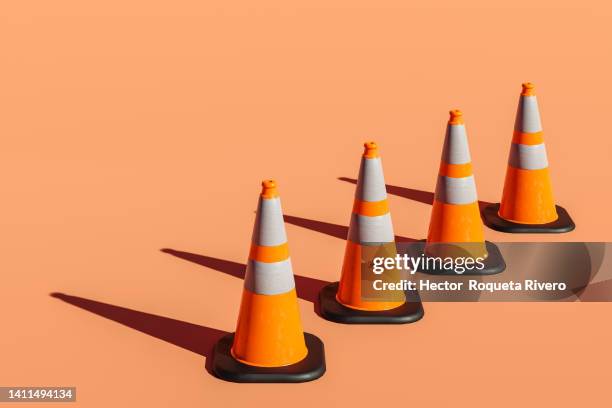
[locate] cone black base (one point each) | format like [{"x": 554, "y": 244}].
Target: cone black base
[
  {"x": 493, "y": 264},
  {"x": 562, "y": 224},
  {"x": 332, "y": 310},
  {"x": 226, "y": 367}
]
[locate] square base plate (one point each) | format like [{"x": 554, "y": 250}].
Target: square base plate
[
  {"x": 562, "y": 224},
  {"x": 332, "y": 310},
  {"x": 226, "y": 367}
]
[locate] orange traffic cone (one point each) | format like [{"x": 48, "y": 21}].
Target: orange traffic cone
[
  {"x": 527, "y": 203},
  {"x": 269, "y": 344},
  {"x": 370, "y": 234},
  {"x": 455, "y": 228}
]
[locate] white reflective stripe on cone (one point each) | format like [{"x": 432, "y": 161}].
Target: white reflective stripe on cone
[
  {"x": 528, "y": 157},
  {"x": 528, "y": 115},
  {"x": 269, "y": 278},
  {"x": 456, "y": 190},
  {"x": 270, "y": 232},
  {"x": 371, "y": 182},
  {"x": 456, "y": 149},
  {"x": 364, "y": 229}
]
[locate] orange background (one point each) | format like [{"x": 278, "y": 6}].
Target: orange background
[{"x": 132, "y": 126}]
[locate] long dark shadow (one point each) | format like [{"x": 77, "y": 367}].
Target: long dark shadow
[
  {"x": 192, "y": 337},
  {"x": 306, "y": 288},
  {"x": 334, "y": 230},
  {"x": 425, "y": 197},
  {"x": 596, "y": 292}
]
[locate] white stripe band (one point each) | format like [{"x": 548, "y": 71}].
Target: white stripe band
[
  {"x": 456, "y": 149},
  {"x": 528, "y": 157},
  {"x": 528, "y": 115},
  {"x": 456, "y": 190},
  {"x": 365, "y": 229},
  {"x": 271, "y": 278},
  {"x": 371, "y": 183},
  {"x": 269, "y": 227}
]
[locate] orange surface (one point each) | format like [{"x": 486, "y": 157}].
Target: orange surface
[
  {"x": 528, "y": 138},
  {"x": 269, "y": 253},
  {"x": 371, "y": 208},
  {"x": 349, "y": 287},
  {"x": 455, "y": 223},
  {"x": 269, "y": 331},
  {"x": 528, "y": 197},
  {"x": 132, "y": 126}
]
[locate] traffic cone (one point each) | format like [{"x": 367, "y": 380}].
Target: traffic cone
[
  {"x": 269, "y": 344},
  {"x": 527, "y": 203},
  {"x": 455, "y": 227},
  {"x": 370, "y": 234}
]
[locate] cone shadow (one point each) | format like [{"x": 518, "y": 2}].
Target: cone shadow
[
  {"x": 596, "y": 292},
  {"x": 421, "y": 196},
  {"x": 306, "y": 288},
  {"x": 334, "y": 230},
  {"x": 189, "y": 336}
]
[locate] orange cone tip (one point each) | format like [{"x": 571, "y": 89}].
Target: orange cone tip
[
  {"x": 528, "y": 89},
  {"x": 371, "y": 150},
  {"x": 268, "y": 189},
  {"x": 456, "y": 117}
]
